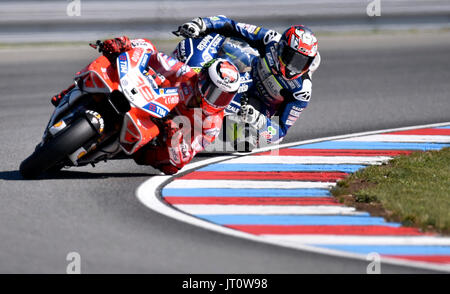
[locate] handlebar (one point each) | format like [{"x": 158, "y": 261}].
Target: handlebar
[
  {"x": 98, "y": 45},
  {"x": 177, "y": 32}
]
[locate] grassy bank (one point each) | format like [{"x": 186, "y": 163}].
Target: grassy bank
[{"x": 413, "y": 190}]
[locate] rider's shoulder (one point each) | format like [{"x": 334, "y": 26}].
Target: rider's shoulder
[{"x": 271, "y": 37}]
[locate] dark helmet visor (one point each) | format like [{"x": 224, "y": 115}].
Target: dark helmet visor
[{"x": 294, "y": 61}]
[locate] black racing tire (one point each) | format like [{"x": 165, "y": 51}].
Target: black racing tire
[{"x": 50, "y": 154}]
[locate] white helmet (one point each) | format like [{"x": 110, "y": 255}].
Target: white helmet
[{"x": 218, "y": 82}]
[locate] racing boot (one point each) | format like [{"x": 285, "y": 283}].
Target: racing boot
[
  {"x": 157, "y": 157},
  {"x": 57, "y": 98}
]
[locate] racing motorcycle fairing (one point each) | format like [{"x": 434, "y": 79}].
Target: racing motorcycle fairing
[
  {"x": 146, "y": 100},
  {"x": 137, "y": 130},
  {"x": 128, "y": 77},
  {"x": 112, "y": 111},
  {"x": 140, "y": 88},
  {"x": 100, "y": 76}
]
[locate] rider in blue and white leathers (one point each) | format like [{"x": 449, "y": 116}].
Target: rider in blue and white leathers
[{"x": 283, "y": 88}]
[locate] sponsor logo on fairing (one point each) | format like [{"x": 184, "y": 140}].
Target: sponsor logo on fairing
[
  {"x": 207, "y": 58},
  {"x": 216, "y": 41},
  {"x": 172, "y": 99},
  {"x": 137, "y": 54},
  {"x": 157, "y": 110},
  {"x": 169, "y": 91},
  {"x": 204, "y": 43},
  {"x": 144, "y": 61},
  {"x": 104, "y": 73},
  {"x": 123, "y": 65}
]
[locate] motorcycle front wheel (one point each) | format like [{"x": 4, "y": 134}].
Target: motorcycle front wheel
[{"x": 55, "y": 150}]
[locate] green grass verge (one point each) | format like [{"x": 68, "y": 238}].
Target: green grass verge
[{"x": 411, "y": 189}]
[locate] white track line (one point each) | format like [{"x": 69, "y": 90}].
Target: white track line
[
  {"x": 360, "y": 240},
  {"x": 225, "y": 184},
  {"x": 148, "y": 194},
  {"x": 269, "y": 209},
  {"x": 267, "y": 159},
  {"x": 401, "y": 138}
]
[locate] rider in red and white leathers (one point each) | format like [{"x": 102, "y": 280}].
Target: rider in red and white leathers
[{"x": 196, "y": 121}]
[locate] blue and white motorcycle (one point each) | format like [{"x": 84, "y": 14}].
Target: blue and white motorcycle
[{"x": 196, "y": 52}]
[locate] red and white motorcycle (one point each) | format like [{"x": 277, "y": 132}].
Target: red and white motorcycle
[{"x": 114, "y": 110}]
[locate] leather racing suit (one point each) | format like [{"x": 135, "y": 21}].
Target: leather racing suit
[
  {"x": 277, "y": 96},
  {"x": 192, "y": 127}
]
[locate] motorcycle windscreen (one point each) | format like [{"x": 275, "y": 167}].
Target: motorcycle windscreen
[{"x": 99, "y": 76}]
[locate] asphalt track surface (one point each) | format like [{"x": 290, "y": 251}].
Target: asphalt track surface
[{"x": 364, "y": 83}]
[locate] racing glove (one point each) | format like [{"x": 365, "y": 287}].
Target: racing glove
[
  {"x": 193, "y": 29},
  {"x": 248, "y": 114},
  {"x": 112, "y": 47}
]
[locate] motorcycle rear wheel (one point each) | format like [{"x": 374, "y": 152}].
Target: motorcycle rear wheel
[{"x": 52, "y": 152}]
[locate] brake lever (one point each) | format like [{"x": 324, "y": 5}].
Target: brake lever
[{"x": 98, "y": 45}]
